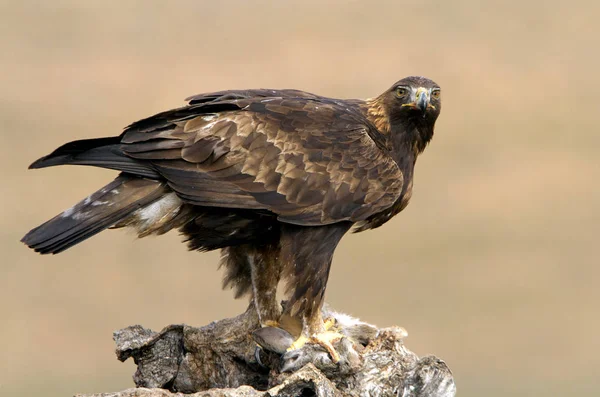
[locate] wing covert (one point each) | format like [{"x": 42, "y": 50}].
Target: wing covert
[{"x": 309, "y": 161}]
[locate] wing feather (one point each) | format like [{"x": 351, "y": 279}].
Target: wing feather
[{"x": 305, "y": 159}]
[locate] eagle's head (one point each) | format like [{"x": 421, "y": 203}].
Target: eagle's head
[
  {"x": 408, "y": 110},
  {"x": 414, "y": 97}
]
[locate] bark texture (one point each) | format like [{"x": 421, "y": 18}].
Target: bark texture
[{"x": 223, "y": 359}]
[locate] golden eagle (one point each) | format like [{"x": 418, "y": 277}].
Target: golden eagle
[{"x": 273, "y": 178}]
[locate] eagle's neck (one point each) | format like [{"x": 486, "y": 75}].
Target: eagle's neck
[
  {"x": 405, "y": 138},
  {"x": 412, "y": 134},
  {"x": 374, "y": 111}
]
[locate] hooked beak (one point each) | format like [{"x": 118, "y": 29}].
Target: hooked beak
[{"x": 420, "y": 101}]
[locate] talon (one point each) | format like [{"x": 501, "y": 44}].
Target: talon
[
  {"x": 325, "y": 335},
  {"x": 257, "y": 357},
  {"x": 326, "y": 340}
]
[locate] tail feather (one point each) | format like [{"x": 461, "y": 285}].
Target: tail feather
[
  {"x": 100, "y": 152},
  {"x": 103, "y": 209}
]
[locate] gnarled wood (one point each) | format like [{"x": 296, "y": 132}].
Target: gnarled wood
[{"x": 220, "y": 359}]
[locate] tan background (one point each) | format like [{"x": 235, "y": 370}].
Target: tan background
[{"x": 494, "y": 265}]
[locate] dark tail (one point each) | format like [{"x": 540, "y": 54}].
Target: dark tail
[
  {"x": 100, "y": 152},
  {"x": 105, "y": 208}
]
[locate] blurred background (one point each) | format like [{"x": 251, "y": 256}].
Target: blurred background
[{"x": 492, "y": 267}]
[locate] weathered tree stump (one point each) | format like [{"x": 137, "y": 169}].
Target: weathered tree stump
[{"x": 221, "y": 359}]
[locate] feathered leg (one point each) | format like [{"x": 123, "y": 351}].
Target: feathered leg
[
  {"x": 265, "y": 271},
  {"x": 307, "y": 253},
  {"x": 255, "y": 269}
]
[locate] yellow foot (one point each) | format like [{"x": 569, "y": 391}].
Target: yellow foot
[
  {"x": 298, "y": 343},
  {"x": 326, "y": 339}
]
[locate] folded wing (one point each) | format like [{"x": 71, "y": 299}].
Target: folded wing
[{"x": 308, "y": 160}]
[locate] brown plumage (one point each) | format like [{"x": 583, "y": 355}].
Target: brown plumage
[{"x": 274, "y": 178}]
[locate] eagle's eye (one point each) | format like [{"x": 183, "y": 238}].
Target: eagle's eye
[
  {"x": 435, "y": 94},
  {"x": 401, "y": 92}
]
